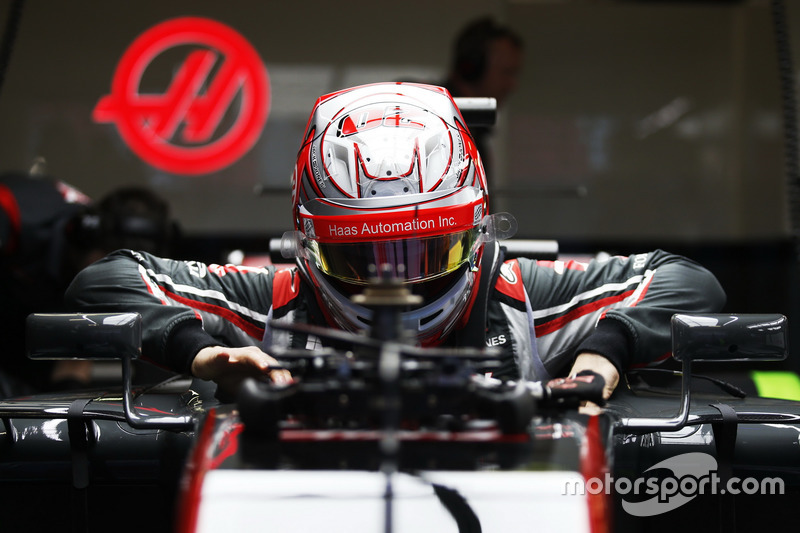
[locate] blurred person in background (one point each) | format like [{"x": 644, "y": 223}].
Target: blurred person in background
[
  {"x": 49, "y": 231},
  {"x": 136, "y": 218},
  {"x": 486, "y": 62}
]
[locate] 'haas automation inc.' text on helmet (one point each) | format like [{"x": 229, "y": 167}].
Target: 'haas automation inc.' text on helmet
[{"x": 389, "y": 174}]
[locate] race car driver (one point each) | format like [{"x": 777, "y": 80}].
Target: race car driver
[{"x": 388, "y": 174}]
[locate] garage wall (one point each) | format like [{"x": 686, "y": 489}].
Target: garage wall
[
  {"x": 647, "y": 121},
  {"x": 634, "y": 120}
]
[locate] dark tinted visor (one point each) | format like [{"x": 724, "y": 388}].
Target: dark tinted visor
[{"x": 420, "y": 258}]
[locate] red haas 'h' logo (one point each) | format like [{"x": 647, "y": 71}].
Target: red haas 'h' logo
[{"x": 184, "y": 130}]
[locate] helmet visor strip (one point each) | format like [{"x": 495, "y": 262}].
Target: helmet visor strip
[{"x": 414, "y": 260}]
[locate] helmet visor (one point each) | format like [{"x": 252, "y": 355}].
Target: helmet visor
[{"x": 414, "y": 260}]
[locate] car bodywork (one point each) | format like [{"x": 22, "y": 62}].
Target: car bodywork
[{"x": 395, "y": 438}]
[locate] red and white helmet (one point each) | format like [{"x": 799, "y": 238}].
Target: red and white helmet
[{"x": 389, "y": 174}]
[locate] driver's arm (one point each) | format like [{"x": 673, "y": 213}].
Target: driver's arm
[
  {"x": 199, "y": 319},
  {"x": 610, "y": 315}
]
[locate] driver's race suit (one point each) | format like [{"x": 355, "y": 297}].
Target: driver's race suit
[{"x": 539, "y": 314}]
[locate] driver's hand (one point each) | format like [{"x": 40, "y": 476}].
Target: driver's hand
[
  {"x": 228, "y": 367},
  {"x": 604, "y": 367}
]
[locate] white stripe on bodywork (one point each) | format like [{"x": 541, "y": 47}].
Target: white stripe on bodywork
[{"x": 350, "y": 500}]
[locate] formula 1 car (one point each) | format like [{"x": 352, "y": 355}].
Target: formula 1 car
[{"x": 380, "y": 435}]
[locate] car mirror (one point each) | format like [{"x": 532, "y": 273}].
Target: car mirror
[
  {"x": 725, "y": 337},
  {"x": 714, "y": 337},
  {"x": 84, "y": 336},
  {"x": 98, "y": 336}
]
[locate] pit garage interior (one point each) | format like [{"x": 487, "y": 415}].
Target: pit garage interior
[{"x": 635, "y": 124}]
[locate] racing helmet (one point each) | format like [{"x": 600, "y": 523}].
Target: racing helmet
[{"x": 388, "y": 174}]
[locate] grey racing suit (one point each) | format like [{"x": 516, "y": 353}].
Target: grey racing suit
[{"x": 540, "y": 314}]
